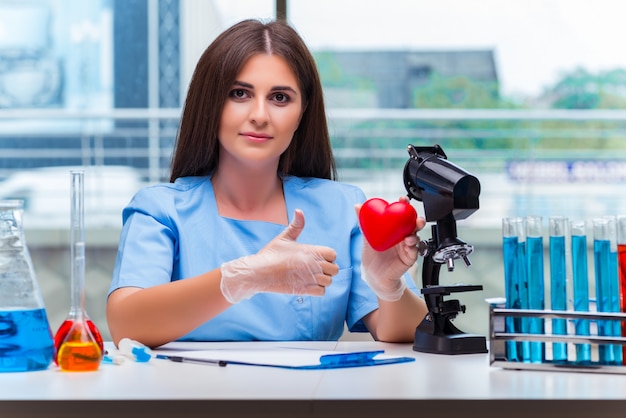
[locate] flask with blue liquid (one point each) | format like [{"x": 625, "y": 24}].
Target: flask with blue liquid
[{"x": 26, "y": 342}]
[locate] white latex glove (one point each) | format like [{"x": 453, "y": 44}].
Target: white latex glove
[
  {"x": 282, "y": 266},
  {"x": 383, "y": 271}
]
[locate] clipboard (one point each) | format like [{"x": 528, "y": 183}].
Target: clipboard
[{"x": 287, "y": 358}]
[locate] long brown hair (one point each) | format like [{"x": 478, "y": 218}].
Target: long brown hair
[{"x": 197, "y": 147}]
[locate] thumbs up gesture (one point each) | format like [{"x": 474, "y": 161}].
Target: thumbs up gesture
[{"x": 282, "y": 266}]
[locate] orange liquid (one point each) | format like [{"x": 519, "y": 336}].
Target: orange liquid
[
  {"x": 79, "y": 351},
  {"x": 79, "y": 356},
  {"x": 61, "y": 334}
]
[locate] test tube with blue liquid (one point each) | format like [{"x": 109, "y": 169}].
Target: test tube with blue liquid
[
  {"x": 512, "y": 230},
  {"x": 603, "y": 266},
  {"x": 522, "y": 274},
  {"x": 580, "y": 287},
  {"x": 558, "y": 227},
  {"x": 614, "y": 287},
  {"x": 536, "y": 291}
]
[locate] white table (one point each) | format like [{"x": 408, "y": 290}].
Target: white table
[{"x": 433, "y": 385}]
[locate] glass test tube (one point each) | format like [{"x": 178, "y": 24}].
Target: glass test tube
[
  {"x": 523, "y": 348},
  {"x": 614, "y": 302},
  {"x": 580, "y": 280},
  {"x": 603, "y": 276},
  {"x": 558, "y": 227},
  {"x": 512, "y": 229},
  {"x": 536, "y": 292},
  {"x": 621, "y": 254}
]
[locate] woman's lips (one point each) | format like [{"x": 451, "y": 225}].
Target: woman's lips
[{"x": 255, "y": 136}]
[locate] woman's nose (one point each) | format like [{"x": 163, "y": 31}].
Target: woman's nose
[{"x": 259, "y": 112}]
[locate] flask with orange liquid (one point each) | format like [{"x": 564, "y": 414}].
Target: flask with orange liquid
[{"x": 78, "y": 341}]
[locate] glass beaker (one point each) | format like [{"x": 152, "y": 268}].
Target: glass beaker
[
  {"x": 78, "y": 341},
  {"x": 25, "y": 336}
]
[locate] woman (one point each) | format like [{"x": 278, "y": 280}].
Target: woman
[{"x": 223, "y": 251}]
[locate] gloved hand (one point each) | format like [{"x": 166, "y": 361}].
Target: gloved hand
[
  {"x": 383, "y": 271},
  {"x": 282, "y": 266}
]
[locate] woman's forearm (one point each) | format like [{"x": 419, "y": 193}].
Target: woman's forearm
[
  {"x": 157, "y": 315},
  {"x": 396, "y": 321}
]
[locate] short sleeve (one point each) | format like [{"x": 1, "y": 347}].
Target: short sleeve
[{"x": 147, "y": 247}]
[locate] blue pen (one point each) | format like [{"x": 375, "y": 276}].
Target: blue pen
[{"x": 350, "y": 358}]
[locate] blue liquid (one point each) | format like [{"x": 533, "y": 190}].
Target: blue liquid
[
  {"x": 512, "y": 293},
  {"x": 602, "y": 267},
  {"x": 580, "y": 277},
  {"x": 536, "y": 295},
  {"x": 558, "y": 294},
  {"x": 25, "y": 340},
  {"x": 522, "y": 274}
]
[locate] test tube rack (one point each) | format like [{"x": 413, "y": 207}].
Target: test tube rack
[{"x": 499, "y": 337}]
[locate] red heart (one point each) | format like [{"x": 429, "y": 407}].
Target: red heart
[{"x": 384, "y": 225}]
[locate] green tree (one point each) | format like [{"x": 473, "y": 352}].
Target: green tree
[
  {"x": 458, "y": 92},
  {"x": 581, "y": 89}
]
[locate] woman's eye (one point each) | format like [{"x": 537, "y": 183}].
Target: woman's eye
[
  {"x": 238, "y": 94},
  {"x": 282, "y": 98}
]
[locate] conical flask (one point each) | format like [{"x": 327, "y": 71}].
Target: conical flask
[
  {"x": 78, "y": 341},
  {"x": 25, "y": 335}
]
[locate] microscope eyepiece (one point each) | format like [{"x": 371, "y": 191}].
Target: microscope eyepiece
[{"x": 443, "y": 187}]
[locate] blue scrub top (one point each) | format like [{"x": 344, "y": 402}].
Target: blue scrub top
[{"x": 173, "y": 231}]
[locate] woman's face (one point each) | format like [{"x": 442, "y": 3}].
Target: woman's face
[{"x": 261, "y": 113}]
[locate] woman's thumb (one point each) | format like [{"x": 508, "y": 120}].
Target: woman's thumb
[{"x": 292, "y": 232}]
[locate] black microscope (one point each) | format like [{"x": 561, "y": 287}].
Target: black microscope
[{"x": 448, "y": 193}]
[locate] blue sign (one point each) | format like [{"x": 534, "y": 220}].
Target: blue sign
[{"x": 541, "y": 171}]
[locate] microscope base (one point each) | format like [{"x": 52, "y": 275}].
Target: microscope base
[{"x": 449, "y": 344}]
